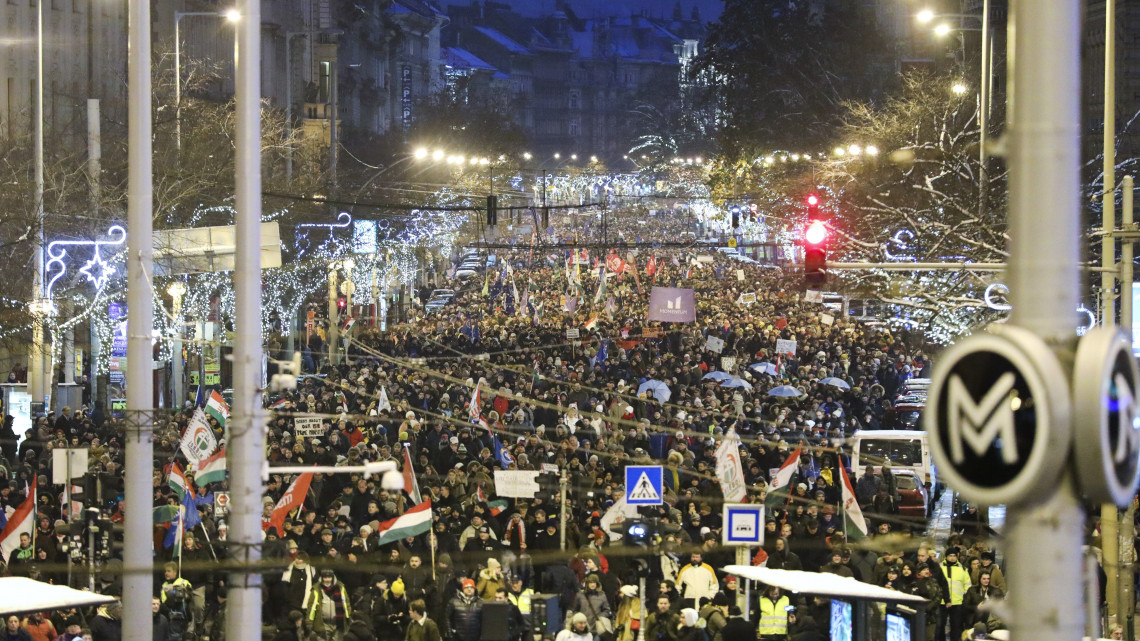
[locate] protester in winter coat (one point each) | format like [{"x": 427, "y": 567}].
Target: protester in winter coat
[
  {"x": 592, "y": 602},
  {"x": 697, "y": 580},
  {"x": 736, "y": 628},
  {"x": 421, "y": 627},
  {"x": 578, "y": 629},
  {"x": 662, "y": 624},
  {"x": 465, "y": 614},
  {"x": 691, "y": 627},
  {"x": 328, "y": 606}
]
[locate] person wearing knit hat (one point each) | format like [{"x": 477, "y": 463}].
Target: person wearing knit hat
[
  {"x": 577, "y": 629},
  {"x": 464, "y": 614}
]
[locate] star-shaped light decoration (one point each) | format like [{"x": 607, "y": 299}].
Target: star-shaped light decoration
[{"x": 98, "y": 271}]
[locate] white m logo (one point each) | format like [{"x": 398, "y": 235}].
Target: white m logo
[
  {"x": 673, "y": 304},
  {"x": 984, "y": 421},
  {"x": 1128, "y": 432}
]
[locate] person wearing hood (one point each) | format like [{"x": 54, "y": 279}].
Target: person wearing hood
[
  {"x": 592, "y": 602},
  {"x": 629, "y": 614},
  {"x": 107, "y": 625},
  {"x": 715, "y": 614},
  {"x": 490, "y": 579},
  {"x": 736, "y": 628},
  {"x": 577, "y": 629},
  {"x": 328, "y": 606},
  {"x": 691, "y": 626},
  {"x": 782, "y": 558},
  {"x": 803, "y": 628}
]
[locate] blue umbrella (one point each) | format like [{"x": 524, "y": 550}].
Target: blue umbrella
[
  {"x": 660, "y": 390},
  {"x": 716, "y": 376},
  {"x": 784, "y": 391},
  {"x": 737, "y": 382},
  {"x": 765, "y": 368},
  {"x": 835, "y": 382}
]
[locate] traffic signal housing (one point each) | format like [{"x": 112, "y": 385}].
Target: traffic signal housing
[
  {"x": 816, "y": 235},
  {"x": 492, "y": 210}
]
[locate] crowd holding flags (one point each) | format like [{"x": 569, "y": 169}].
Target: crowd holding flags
[{"x": 22, "y": 521}]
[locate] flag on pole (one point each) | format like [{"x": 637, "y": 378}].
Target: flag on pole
[
  {"x": 348, "y": 323},
  {"x": 852, "y": 513},
  {"x": 177, "y": 480},
  {"x": 497, "y": 507},
  {"x": 198, "y": 441},
  {"x": 22, "y": 521},
  {"x": 601, "y": 293},
  {"x": 592, "y": 322},
  {"x": 780, "y": 486},
  {"x": 188, "y": 519},
  {"x": 216, "y": 407},
  {"x": 414, "y": 522},
  {"x": 473, "y": 408},
  {"x": 480, "y": 497},
  {"x": 211, "y": 469},
  {"x": 280, "y": 404},
  {"x": 486, "y": 285},
  {"x": 383, "y": 403},
  {"x": 410, "y": 482},
  {"x": 293, "y": 498},
  {"x": 603, "y": 353},
  {"x": 502, "y": 454},
  {"x": 729, "y": 471}
]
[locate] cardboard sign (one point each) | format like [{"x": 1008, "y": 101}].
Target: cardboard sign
[
  {"x": 550, "y": 467},
  {"x": 747, "y": 299},
  {"x": 740, "y": 274},
  {"x": 813, "y": 296},
  {"x": 573, "y": 333},
  {"x": 827, "y": 319},
  {"x": 308, "y": 427},
  {"x": 714, "y": 344},
  {"x": 784, "y": 346},
  {"x": 521, "y": 484},
  {"x": 727, "y": 363}
]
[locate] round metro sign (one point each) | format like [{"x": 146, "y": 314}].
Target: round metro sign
[
  {"x": 1107, "y": 447},
  {"x": 998, "y": 408}
]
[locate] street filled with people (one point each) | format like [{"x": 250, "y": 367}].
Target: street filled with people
[{"x": 543, "y": 361}]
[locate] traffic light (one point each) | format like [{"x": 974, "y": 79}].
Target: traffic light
[
  {"x": 492, "y": 210},
  {"x": 815, "y": 243},
  {"x": 341, "y": 303},
  {"x": 547, "y": 487},
  {"x": 735, "y": 217},
  {"x": 643, "y": 532}
]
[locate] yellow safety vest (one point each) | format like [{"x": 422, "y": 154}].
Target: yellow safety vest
[
  {"x": 773, "y": 616},
  {"x": 521, "y": 600}
]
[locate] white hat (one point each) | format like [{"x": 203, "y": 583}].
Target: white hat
[{"x": 628, "y": 590}]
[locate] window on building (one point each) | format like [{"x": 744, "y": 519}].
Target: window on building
[
  {"x": 574, "y": 100},
  {"x": 572, "y": 128}
]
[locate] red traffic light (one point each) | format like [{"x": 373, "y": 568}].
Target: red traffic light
[
  {"x": 812, "y": 200},
  {"x": 816, "y": 233},
  {"x": 341, "y": 303}
]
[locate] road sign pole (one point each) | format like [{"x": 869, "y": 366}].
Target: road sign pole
[{"x": 1044, "y": 229}]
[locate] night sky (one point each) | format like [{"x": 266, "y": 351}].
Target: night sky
[{"x": 710, "y": 9}]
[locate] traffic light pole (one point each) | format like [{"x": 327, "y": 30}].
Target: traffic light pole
[
  {"x": 563, "y": 481},
  {"x": 1044, "y": 229}
]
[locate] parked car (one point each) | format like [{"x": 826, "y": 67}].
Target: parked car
[{"x": 913, "y": 497}]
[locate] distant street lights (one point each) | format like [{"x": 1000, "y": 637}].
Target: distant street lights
[{"x": 231, "y": 16}]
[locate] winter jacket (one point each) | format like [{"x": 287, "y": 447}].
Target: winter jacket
[
  {"x": 105, "y": 627},
  {"x": 424, "y": 630},
  {"x": 697, "y": 582},
  {"x": 465, "y": 618},
  {"x": 773, "y": 616},
  {"x": 488, "y": 583},
  {"x": 593, "y": 604},
  {"x": 662, "y": 627},
  {"x": 736, "y": 629},
  {"x": 958, "y": 579}
]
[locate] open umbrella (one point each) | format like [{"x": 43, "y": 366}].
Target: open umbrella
[
  {"x": 835, "y": 382},
  {"x": 716, "y": 376},
  {"x": 736, "y": 382},
  {"x": 659, "y": 389},
  {"x": 765, "y": 368},
  {"x": 784, "y": 391}
]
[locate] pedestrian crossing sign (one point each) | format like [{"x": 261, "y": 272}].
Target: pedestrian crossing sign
[{"x": 643, "y": 485}]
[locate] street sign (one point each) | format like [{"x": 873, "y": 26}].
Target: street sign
[
  {"x": 999, "y": 417},
  {"x": 1107, "y": 443},
  {"x": 743, "y": 524},
  {"x": 221, "y": 504},
  {"x": 643, "y": 485}
]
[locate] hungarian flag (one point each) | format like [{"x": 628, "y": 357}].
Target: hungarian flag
[
  {"x": 22, "y": 521},
  {"x": 177, "y": 480},
  {"x": 280, "y": 404},
  {"x": 593, "y": 322},
  {"x": 480, "y": 497},
  {"x": 497, "y": 507},
  {"x": 852, "y": 513},
  {"x": 348, "y": 323},
  {"x": 410, "y": 482},
  {"x": 293, "y": 498},
  {"x": 780, "y": 486},
  {"x": 414, "y": 522},
  {"x": 211, "y": 469},
  {"x": 216, "y": 407}
]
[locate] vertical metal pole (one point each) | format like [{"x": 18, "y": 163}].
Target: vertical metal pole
[
  {"x": 1108, "y": 203},
  {"x": 177, "y": 365},
  {"x": 177, "y": 82},
  {"x": 95, "y": 187},
  {"x": 984, "y": 87},
  {"x": 562, "y": 483},
  {"x": 137, "y": 539},
  {"x": 38, "y": 383},
  {"x": 289, "y": 106},
  {"x": 331, "y": 334},
  {"x": 1044, "y": 164},
  {"x": 1126, "y": 549},
  {"x": 246, "y": 432}
]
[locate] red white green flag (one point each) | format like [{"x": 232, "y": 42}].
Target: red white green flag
[
  {"x": 216, "y": 407},
  {"x": 414, "y": 522}
]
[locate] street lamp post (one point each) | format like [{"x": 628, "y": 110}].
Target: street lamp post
[
  {"x": 39, "y": 380},
  {"x": 177, "y": 290},
  {"x": 230, "y": 15}
]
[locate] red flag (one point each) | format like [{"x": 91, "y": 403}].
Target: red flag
[
  {"x": 410, "y": 483},
  {"x": 781, "y": 323},
  {"x": 615, "y": 263},
  {"x": 291, "y": 500},
  {"x": 651, "y": 266},
  {"x": 22, "y": 521}
]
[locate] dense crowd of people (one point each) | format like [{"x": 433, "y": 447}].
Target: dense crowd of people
[{"x": 492, "y": 382}]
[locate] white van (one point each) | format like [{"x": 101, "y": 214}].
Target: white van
[{"x": 906, "y": 449}]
